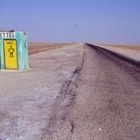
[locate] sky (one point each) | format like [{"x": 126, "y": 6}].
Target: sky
[{"x": 98, "y": 21}]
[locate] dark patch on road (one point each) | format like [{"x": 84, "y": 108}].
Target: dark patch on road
[{"x": 72, "y": 127}]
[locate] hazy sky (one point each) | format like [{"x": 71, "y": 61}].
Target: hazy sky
[{"x": 102, "y": 21}]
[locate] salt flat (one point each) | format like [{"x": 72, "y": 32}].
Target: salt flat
[{"x": 26, "y": 97}]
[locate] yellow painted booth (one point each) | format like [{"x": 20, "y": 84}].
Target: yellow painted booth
[{"x": 10, "y": 53}]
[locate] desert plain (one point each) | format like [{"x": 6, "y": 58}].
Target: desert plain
[{"x": 73, "y": 91}]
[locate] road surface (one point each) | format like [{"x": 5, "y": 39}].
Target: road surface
[
  {"x": 105, "y": 103},
  {"x": 78, "y": 92}
]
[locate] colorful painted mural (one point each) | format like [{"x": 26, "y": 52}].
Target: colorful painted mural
[{"x": 13, "y": 50}]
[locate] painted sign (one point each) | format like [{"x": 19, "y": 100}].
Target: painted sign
[
  {"x": 7, "y": 35},
  {"x": 10, "y": 53}
]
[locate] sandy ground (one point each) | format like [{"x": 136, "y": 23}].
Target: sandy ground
[
  {"x": 132, "y": 51},
  {"x": 40, "y": 47},
  {"x": 131, "y": 47}
]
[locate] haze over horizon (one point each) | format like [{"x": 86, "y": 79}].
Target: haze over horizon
[{"x": 107, "y": 21}]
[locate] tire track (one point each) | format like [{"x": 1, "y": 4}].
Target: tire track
[{"x": 64, "y": 104}]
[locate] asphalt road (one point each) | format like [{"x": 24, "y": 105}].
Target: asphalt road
[{"x": 101, "y": 102}]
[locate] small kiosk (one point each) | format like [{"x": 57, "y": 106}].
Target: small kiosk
[{"x": 13, "y": 50}]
